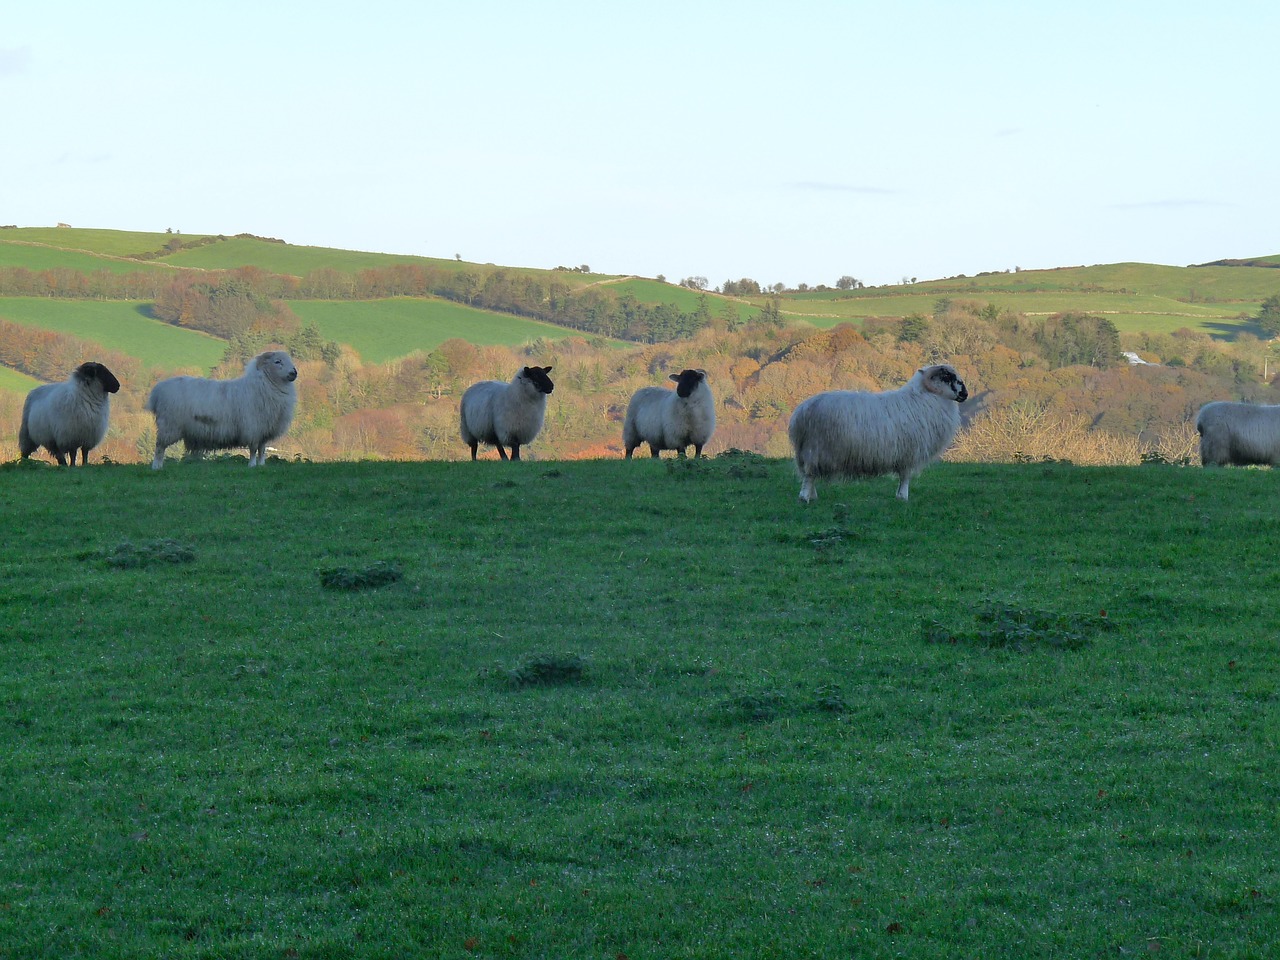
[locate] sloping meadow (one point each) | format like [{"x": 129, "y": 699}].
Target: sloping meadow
[{"x": 641, "y": 709}]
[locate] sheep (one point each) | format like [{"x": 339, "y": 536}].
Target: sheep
[
  {"x": 671, "y": 419},
  {"x": 68, "y": 416},
  {"x": 505, "y": 414},
  {"x": 1239, "y": 434},
  {"x": 249, "y": 411},
  {"x": 853, "y": 433}
]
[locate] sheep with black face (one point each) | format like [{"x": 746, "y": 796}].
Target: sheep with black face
[
  {"x": 505, "y": 414},
  {"x": 69, "y": 416},
  {"x": 671, "y": 419},
  {"x": 852, "y": 433}
]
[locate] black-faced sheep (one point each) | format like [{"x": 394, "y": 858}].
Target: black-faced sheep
[
  {"x": 249, "y": 411},
  {"x": 505, "y": 414},
  {"x": 851, "y": 433},
  {"x": 1239, "y": 434},
  {"x": 671, "y": 419},
  {"x": 68, "y": 416}
]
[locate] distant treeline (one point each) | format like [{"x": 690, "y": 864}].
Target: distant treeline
[
  {"x": 50, "y": 356},
  {"x": 229, "y": 303}
]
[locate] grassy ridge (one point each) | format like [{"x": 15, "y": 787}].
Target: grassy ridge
[
  {"x": 291, "y": 260},
  {"x": 34, "y": 256},
  {"x": 1127, "y": 312},
  {"x": 382, "y": 330},
  {"x": 119, "y": 325},
  {"x": 651, "y": 708}
]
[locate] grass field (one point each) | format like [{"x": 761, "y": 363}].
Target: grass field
[
  {"x": 118, "y": 325},
  {"x": 14, "y": 382},
  {"x": 1128, "y": 312},
  {"x": 34, "y": 256},
  {"x": 383, "y": 330},
  {"x": 111, "y": 243},
  {"x": 290, "y": 259},
  {"x": 641, "y": 709},
  {"x": 651, "y": 291}
]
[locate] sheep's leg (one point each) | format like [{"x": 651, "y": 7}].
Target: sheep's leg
[
  {"x": 654, "y": 449},
  {"x": 808, "y": 493},
  {"x": 501, "y": 453},
  {"x": 515, "y": 451},
  {"x": 475, "y": 449},
  {"x": 904, "y": 482},
  {"x": 62, "y": 458},
  {"x": 697, "y": 451},
  {"x": 157, "y": 462},
  {"x": 629, "y": 451}
]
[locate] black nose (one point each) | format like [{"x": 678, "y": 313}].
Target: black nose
[{"x": 964, "y": 394}]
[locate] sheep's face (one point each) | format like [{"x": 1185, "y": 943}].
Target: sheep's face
[
  {"x": 538, "y": 377},
  {"x": 277, "y": 365},
  {"x": 687, "y": 381},
  {"x": 943, "y": 380},
  {"x": 90, "y": 371}
]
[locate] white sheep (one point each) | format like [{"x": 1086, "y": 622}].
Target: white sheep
[
  {"x": 249, "y": 411},
  {"x": 68, "y": 416},
  {"x": 1239, "y": 434},
  {"x": 505, "y": 414},
  {"x": 671, "y": 419},
  {"x": 853, "y": 433}
]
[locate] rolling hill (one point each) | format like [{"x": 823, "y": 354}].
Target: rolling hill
[{"x": 1217, "y": 298}]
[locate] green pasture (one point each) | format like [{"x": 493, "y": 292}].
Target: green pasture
[
  {"x": 1246, "y": 286},
  {"x": 381, "y": 330},
  {"x": 686, "y": 300},
  {"x": 11, "y": 381},
  {"x": 118, "y": 325},
  {"x": 649, "y": 708},
  {"x": 291, "y": 260},
  {"x": 36, "y": 256},
  {"x": 1129, "y": 313},
  {"x": 110, "y": 243}
]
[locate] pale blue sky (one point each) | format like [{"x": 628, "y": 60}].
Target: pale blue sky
[{"x": 788, "y": 142}]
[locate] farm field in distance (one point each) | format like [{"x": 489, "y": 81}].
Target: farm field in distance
[{"x": 640, "y": 708}]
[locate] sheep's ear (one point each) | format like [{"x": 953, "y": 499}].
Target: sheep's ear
[
  {"x": 546, "y": 369},
  {"x": 675, "y": 377}
]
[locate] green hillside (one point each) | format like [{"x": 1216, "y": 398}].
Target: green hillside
[
  {"x": 38, "y": 256},
  {"x": 289, "y": 259},
  {"x": 11, "y": 381},
  {"x": 117, "y": 325},
  {"x": 1217, "y": 299},
  {"x": 110, "y": 243},
  {"x": 381, "y": 330}
]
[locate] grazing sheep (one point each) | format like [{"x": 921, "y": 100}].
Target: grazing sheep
[
  {"x": 505, "y": 414},
  {"x": 249, "y": 411},
  {"x": 851, "y": 433},
  {"x": 1239, "y": 434},
  {"x": 68, "y": 416},
  {"x": 671, "y": 419}
]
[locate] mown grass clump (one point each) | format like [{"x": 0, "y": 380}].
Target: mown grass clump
[
  {"x": 129, "y": 556},
  {"x": 545, "y": 670},
  {"x": 377, "y": 574},
  {"x": 1001, "y": 625}
]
